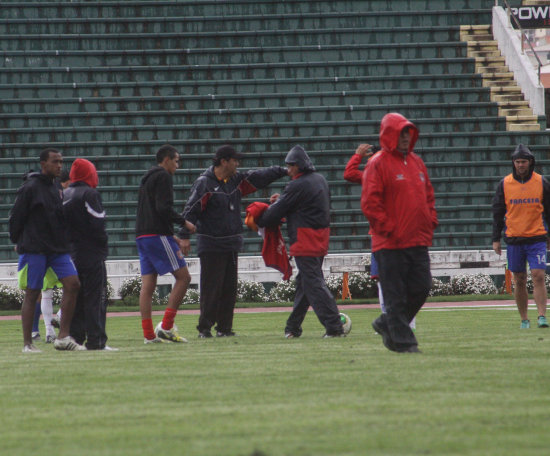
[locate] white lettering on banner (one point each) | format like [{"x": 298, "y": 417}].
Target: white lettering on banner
[{"x": 532, "y": 12}]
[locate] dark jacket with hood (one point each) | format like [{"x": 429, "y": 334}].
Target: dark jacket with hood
[
  {"x": 36, "y": 221},
  {"x": 155, "y": 211},
  {"x": 214, "y": 207},
  {"x": 305, "y": 202},
  {"x": 397, "y": 196},
  {"x": 521, "y": 206},
  {"x": 85, "y": 215}
]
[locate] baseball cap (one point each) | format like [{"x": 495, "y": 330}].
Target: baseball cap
[{"x": 226, "y": 152}]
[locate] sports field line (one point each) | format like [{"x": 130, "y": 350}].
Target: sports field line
[{"x": 253, "y": 310}]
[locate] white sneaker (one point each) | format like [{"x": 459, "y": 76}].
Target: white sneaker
[
  {"x": 169, "y": 334},
  {"x": 68, "y": 343},
  {"x": 107, "y": 348},
  {"x": 50, "y": 338},
  {"x": 156, "y": 340},
  {"x": 31, "y": 349}
]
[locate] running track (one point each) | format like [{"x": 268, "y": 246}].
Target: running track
[{"x": 429, "y": 305}]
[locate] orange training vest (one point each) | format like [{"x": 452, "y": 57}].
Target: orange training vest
[{"x": 524, "y": 209}]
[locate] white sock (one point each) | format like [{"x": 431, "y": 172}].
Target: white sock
[{"x": 46, "y": 304}]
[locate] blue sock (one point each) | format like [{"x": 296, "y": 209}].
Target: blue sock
[{"x": 37, "y": 313}]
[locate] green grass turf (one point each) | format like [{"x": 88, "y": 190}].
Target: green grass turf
[{"x": 480, "y": 387}]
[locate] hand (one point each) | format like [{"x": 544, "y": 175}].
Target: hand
[
  {"x": 274, "y": 198},
  {"x": 185, "y": 245},
  {"x": 497, "y": 247},
  {"x": 190, "y": 227},
  {"x": 364, "y": 150}
]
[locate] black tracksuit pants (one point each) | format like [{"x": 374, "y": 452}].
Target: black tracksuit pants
[
  {"x": 218, "y": 290},
  {"x": 312, "y": 290},
  {"x": 406, "y": 281},
  {"x": 90, "y": 313}
]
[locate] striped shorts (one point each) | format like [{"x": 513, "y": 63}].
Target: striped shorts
[{"x": 159, "y": 254}]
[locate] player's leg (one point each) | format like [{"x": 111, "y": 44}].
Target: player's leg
[
  {"x": 318, "y": 294},
  {"x": 517, "y": 257},
  {"x": 536, "y": 256},
  {"x": 226, "y": 303},
  {"x": 46, "y": 305},
  {"x": 30, "y": 271},
  {"x": 211, "y": 279},
  {"x": 394, "y": 269},
  {"x": 293, "y": 327},
  {"x": 36, "y": 321},
  {"x": 92, "y": 301}
]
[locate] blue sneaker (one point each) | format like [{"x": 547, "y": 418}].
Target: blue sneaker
[
  {"x": 543, "y": 323},
  {"x": 525, "y": 324}
]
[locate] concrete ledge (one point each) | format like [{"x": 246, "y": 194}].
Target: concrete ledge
[{"x": 252, "y": 268}]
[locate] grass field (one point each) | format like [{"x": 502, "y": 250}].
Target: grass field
[{"x": 480, "y": 387}]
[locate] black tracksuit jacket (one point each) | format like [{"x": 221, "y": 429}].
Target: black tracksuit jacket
[{"x": 36, "y": 221}]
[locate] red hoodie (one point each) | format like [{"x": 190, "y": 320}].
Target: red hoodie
[
  {"x": 84, "y": 171},
  {"x": 397, "y": 196}
]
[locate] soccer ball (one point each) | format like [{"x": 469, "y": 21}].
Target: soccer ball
[{"x": 346, "y": 323}]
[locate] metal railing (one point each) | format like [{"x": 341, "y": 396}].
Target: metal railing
[{"x": 524, "y": 36}]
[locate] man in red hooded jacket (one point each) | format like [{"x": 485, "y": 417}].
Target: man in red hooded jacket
[
  {"x": 398, "y": 200},
  {"x": 85, "y": 217}
]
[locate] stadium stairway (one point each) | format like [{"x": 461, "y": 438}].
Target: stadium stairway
[{"x": 112, "y": 81}]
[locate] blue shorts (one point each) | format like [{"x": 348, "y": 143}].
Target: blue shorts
[
  {"x": 519, "y": 254},
  {"x": 159, "y": 255},
  {"x": 33, "y": 267},
  {"x": 373, "y": 267}
]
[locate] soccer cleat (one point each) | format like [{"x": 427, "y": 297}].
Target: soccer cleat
[
  {"x": 51, "y": 339},
  {"x": 330, "y": 336},
  {"x": 225, "y": 334},
  {"x": 205, "y": 335},
  {"x": 290, "y": 336},
  {"x": 55, "y": 321},
  {"x": 542, "y": 322},
  {"x": 169, "y": 334},
  {"x": 156, "y": 340},
  {"x": 68, "y": 344},
  {"x": 30, "y": 348},
  {"x": 107, "y": 348},
  {"x": 35, "y": 336},
  {"x": 525, "y": 324}
]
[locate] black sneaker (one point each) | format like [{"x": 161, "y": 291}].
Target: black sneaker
[
  {"x": 225, "y": 334},
  {"x": 411, "y": 349},
  {"x": 205, "y": 335}
]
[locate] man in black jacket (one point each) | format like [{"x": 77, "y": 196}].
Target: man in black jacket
[
  {"x": 214, "y": 206},
  {"x": 159, "y": 250},
  {"x": 38, "y": 227},
  {"x": 305, "y": 204},
  {"x": 85, "y": 217}
]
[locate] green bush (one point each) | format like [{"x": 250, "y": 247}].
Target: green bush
[
  {"x": 283, "y": 291},
  {"x": 334, "y": 284},
  {"x": 131, "y": 288},
  {"x": 191, "y": 297},
  {"x": 440, "y": 288},
  {"x": 11, "y": 298},
  {"x": 361, "y": 285},
  {"x": 473, "y": 284},
  {"x": 250, "y": 291}
]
